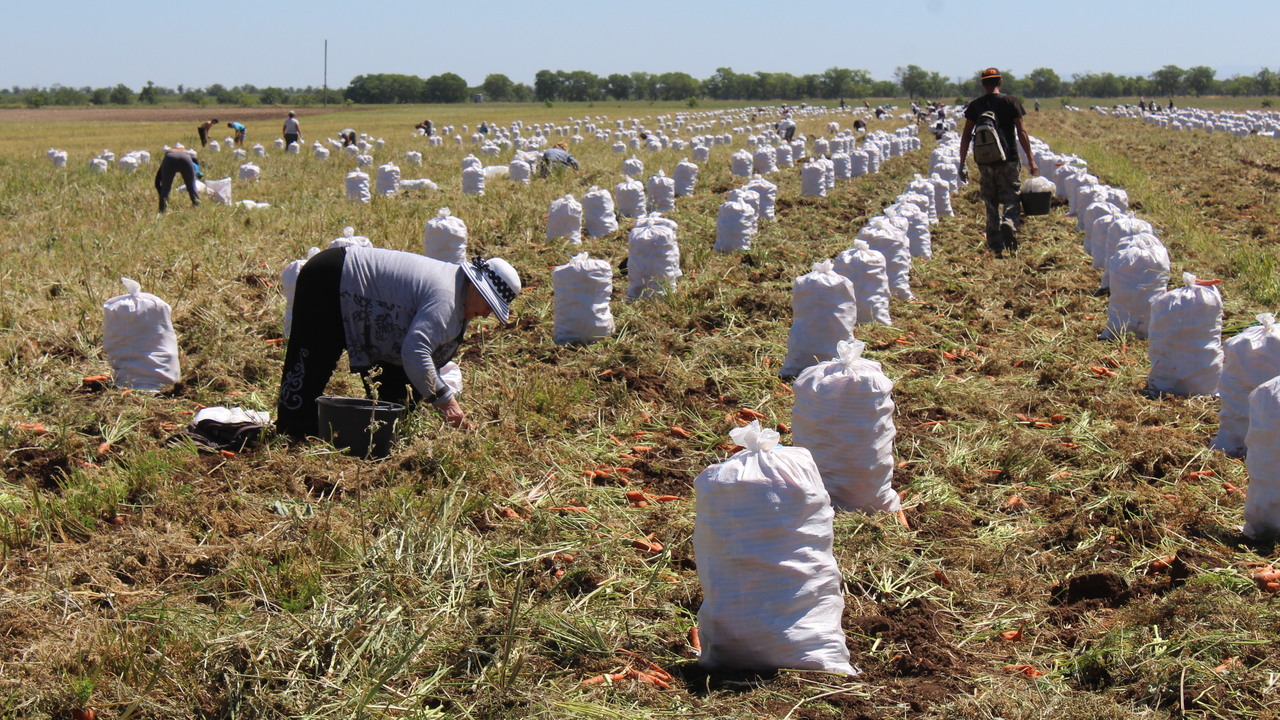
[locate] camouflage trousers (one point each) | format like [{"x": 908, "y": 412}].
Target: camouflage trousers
[{"x": 998, "y": 186}]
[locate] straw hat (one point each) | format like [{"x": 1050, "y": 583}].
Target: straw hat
[{"x": 497, "y": 281}]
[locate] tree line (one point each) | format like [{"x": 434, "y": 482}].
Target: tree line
[{"x": 725, "y": 84}]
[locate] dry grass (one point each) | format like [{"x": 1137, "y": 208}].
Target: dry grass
[{"x": 295, "y": 582}]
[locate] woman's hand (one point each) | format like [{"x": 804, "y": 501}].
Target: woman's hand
[{"x": 454, "y": 415}]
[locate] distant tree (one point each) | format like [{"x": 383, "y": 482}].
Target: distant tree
[
  {"x": 35, "y": 99},
  {"x": 66, "y": 96},
  {"x": 1104, "y": 85},
  {"x": 619, "y": 86},
  {"x": 521, "y": 92},
  {"x": 1266, "y": 82},
  {"x": 149, "y": 94},
  {"x": 195, "y": 97},
  {"x": 1200, "y": 80},
  {"x": 121, "y": 95},
  {"x": 497, "y": 87},
  {"x": 546, "y": 85},
  {"x": 1169, "y": 80},
  {"x": 677, "y": 86},
  {"x": 725, "y": 84},
  {"x": 1238, "y": 85},
  {"x": 386, "y": 89},
  {"x": 445, "y": 88},
  {"x": 273, "y": 96},
  {"x": 913, "y": 80},
  {"x": 809, "y": 86},
  {"x": 1042, "y": 83},
  {"x": 100, "y": 96},
  {"x": 884, "y": 88},
  {"x": 837, "y": 82},
  {"x": 646, "y": 86},
  {"x": 579, "y": 86},
  {"x": 214, "y": 90}
]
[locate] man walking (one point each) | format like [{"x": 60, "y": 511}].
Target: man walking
[{"x": 998, "y": 170}]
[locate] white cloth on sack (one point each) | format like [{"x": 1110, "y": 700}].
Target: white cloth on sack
[
  {"x": 771, "y": 595},
  {"x": 662, "y": 193},
  {"x": 445, "y": 237},
  {"x": 824, "y": 311},
  {"x": 750, "y": 197},
  {"x": 630, "y": 198},
  {"x": 889, "y": 238},
  {"x": 1185, "y": 340},
  {"x": 653, "y": 257},
  {"x": 1248, "y": 360},
  {"x": 582, "y": 290},
  {"x": 843, "y": 414},
  {"x": 865, "y": 268},
  {"x": 564, "y": 220},
  {"x": 358, "y": 186},
  {"x": 736, "y": 225},
  {"x": 1139, "y": 271},
  {"x": 597, "y": 212},
  {"x": 686, "y": 177},
  {"x": 1262, "y": 501},
  {"x": 138, "y": 339}
]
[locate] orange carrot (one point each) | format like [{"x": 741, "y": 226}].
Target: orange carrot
[
  {"x": 680, "y": 432},
  {"x": 1227, "y": 666},
  {"x": 93, "y": 379},
  {"x": 1011, "y": 635},
  {"x": 1197, "y": 474},
  {"x": 941, "y": 577},
  {"x": 695, "y": 640},
  {"x": 748, "y": 412},
  {"x": 274, "y": 341},
  {"x": 1058, "y": 418},
  {"x": 1027, "y": 670},
  {"x": 783, "y": 429},
  {"x": 1161, "y": 564},
  {"x": 1207, "y": 283},
  {"x": 227, "y": 453},
  {"x": 647, "y": 678},
  {"x": 635, "y": 496},
  {"x": 1232, "y": 488},
  {"x": 36, "y": 428},
  {"x": 104, "y": 448},
  {"x": 616, "y": 441},
  {"x": 507, "y": 512},
  {"x": 642, "y": 448},
  {"x": 667, "y": 498}
]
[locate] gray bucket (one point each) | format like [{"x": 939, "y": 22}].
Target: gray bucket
[{"x": 364, "y": 428}]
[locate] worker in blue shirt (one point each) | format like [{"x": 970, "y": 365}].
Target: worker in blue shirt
[
  {"x": 556, "y": 157},
  {"x": 239, "y": 132}
]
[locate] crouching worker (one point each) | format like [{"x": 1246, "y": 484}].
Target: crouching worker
[
  {"x": 400, "y": 316},
  {"x": 556, "y": 157},
  {"x": 178, "y": 161}
]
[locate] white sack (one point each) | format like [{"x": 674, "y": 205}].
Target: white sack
[
  {"x": 735, "y": 226},
  {"x": 653, "y": 257},
  {"x": 564, "y": 220},
  {"x": 138, "y": 339},
  {"x": 1262, "y": 502},
  {"x": 771, "y": 589},
  {"x": 388, "y": 180},
  {"x": 1248, "y": 360},
  {"x": 582, "y": 290},
  {"x": 686, "y": 177},
  {"x": 473, "y": 180},
  {"x": 1139, "y": 271},
  {"x": 445, "y": 237},
  {"x": 843, "y": 415},
  {"x": 768, "y": 193},
  {"x": 631, "y": 201},
  {"x": 662, "y": 193},
  {"x": 865, "y": 268},
  {"x": 597, "y": 212},
  {"x": 358, "y": 186},
  {"x": 823, "y": 313},
  {"x": 1185, "y": 336}
]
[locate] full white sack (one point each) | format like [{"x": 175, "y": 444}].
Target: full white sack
[
  {"x": 519, "y": 171},
  {"x": 597, "y": 212},
  {"x": 582, "y": 290},
  {"x": 350, "y": 239},
  {"x": 564, "y": 220},
  {"x": 662, "y": 193},
  {"x": 813, "y": 180},
  {"x": 358, "y": 187},
  {"x": 1248, "y": 360},
  {"x": 631, "y": 201},
  {"x": 633, "y": 167},
  {"x": 740, "y": 163},
  {"x": 473, "y": 180},
  {"x": 918, "y": 236},
  {"x": 771, "y": 595},
  {"x": 388, "y": 180},
  {"x": 1185, "y": 340},
  {"x": 823, "y": 313},
  {"x": 289, "y": 285},
  {"x": 764, "y": 160},
  {"x": 1139, "y": 271},
  {"x": 889, "y": 238},
  {"x": 735, "y": 226},
  {"x": 843, "y": 415},
  {"x": 768, "y": 193},
  {"x": 1262, "y": 501},
  {"x": 653, "y": 257},
  {"x": 445, "y": 237},
  {"x": 138, "y": 339},
  {"x": 686, "y": 177},
  {"x": 865, "y": 268},
  {"x": 250, "y": 172}
]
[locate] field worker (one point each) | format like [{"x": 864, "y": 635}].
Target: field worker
[
  {"x": 203, "y": 131},
  {"x": 425, "y": 127},
  {"x": 239, "y": 132},
  {"x": 999, "y": 182},
  {"x": 787, "y": 127},
  {"x": 178, "y": 161},
  {"x": 400, "y": 316},
  {"x": 292, "y": 130},
  {"x": 556, "y": 158},
  {"x": 348, "y": 137}
]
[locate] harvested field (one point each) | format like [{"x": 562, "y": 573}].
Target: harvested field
[{"x": 158, "y": 581}]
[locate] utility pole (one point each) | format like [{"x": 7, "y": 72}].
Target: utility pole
[{"x": 326, "y": 73}]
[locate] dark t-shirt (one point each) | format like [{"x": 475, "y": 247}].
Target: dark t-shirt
[{"x": 1008, "y": 108}]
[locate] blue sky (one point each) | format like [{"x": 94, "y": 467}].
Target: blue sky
[{"x": 78, "y": 43}]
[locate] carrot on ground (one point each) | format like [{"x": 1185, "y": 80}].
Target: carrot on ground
[{"x": 680, "y": 432}]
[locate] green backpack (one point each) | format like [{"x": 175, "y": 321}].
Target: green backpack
[{"x": 987, "y": 147}]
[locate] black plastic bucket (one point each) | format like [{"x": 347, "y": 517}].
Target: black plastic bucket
[
  {"x": 364, "y": 428},
  {"x": 1036, "y": 203}
]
